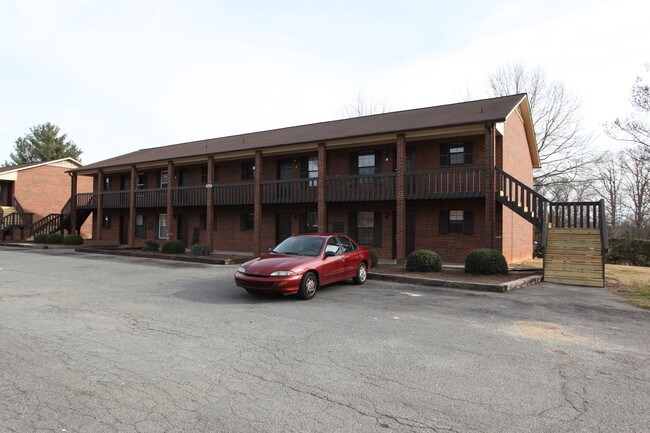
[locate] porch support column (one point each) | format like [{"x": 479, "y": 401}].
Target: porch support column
[
  {"x": 170, "y": 201},
  {"x": 490, "y": 208},
  {"x": 99, "y": 223},
  {"x": 257, "y": 203},
  {"x": 209, "y": 203},
  {"x": 400, "y": 200},
  {"x": 131, "y": 233},
  {"x": 73, "y": 205},
  {"x": 320, "y": 192}
]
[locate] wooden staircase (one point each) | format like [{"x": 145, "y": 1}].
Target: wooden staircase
[
  {"x": 574, "y": 234},
  {"x": 574, "y": 256}
]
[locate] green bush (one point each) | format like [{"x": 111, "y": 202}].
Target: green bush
[
  {"x": 373, "y": 258},
  {"x": 150, "y": 245},
  {"x": 54, "y": 238},
  {"x": 485, "y": 261},
  {"x": 200, "y": 250},
  {"x": 173, "y": 247},
  {"x": 40, "y": 238},
  {"x": 73, "y": 240},
  {"x": 629, "y": 251},
  {"x": 423, "y": 261}
]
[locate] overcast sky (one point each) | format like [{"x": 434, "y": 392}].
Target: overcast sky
[{"x": 118, "y": 76}]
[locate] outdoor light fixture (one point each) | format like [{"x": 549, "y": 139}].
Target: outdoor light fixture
[{"x": 386, "y": 156}]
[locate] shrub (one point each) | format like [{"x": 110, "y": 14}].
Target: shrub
[
  {"x": 73, "y": 240},
  {"x": 373, "y": 258},
  {"x": 40, "y": 238},
  {"x": 538, "y": 250},
  {"x": 485, "y": 261},
  {"x": 423, "y": 261},
  {"x": 173, "y": 247},
  {"x": 200, "y": 250},
  {"x": 54, "y": 238},
  {"x": 150, "y": 245},
  {"x": 629, "y": 251}
]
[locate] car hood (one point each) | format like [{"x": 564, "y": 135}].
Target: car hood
[{"x": 267, "y": 263}]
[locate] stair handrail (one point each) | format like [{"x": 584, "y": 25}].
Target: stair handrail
[{"x": 32, "y": 228}]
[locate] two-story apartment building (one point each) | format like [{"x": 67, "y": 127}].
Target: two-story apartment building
[{"x": 423, "y": 178}]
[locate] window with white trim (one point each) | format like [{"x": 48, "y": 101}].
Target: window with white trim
[{"x": 162, "y": 225}]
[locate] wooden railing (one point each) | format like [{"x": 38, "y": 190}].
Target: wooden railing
[
  {"x": 521, "y": 198},
  {"x": 86, "y": 200},
  {"x": 50, "y": 224},
  {"x": 445, "y": 183},
  {"x": 289, "y": 191},
  {"x": 16, "y": 220},
  {"x": 576, "y": 215},
  {"x": 232, "y": 193},
  {"x": 156, "y": 197},
  {"x": 190, "y": 195},
  {"x": 115, "y": 199},
  {"x": 373, "y": 187}
]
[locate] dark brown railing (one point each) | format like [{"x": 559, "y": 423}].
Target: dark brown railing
[
  {"x": 373, "y": 187},
  {"x": 232, "y": 193},
  {"x": 521, "y": 198},
  {"x": 190, "y": 195},
  {"x": 115, "y": 199},
  {"x": 86, "y": 200},
  {"x": 576, "y": 215},
  {"x": 50, "y": 224},
  {"x": 445, "y": 183},
  {"x": 16, "y": 220},
  {"x": 289, "y": 191},
  {"x": 156, "y": 197}
]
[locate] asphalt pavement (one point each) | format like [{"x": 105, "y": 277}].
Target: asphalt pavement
[{"x": 94, "y": 343}]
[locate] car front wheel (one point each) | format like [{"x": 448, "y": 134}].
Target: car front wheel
[
  {"x": 308, "y": 286},
  {"x": 362, "y": 274}
]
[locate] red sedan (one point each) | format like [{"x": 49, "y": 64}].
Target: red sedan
[{"x": 300, "y": 264}]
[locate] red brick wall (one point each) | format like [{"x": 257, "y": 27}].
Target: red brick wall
[{"x": 514, "y": 158}]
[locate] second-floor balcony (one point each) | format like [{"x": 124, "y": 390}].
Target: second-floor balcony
[{"x": 419, "y": 185}]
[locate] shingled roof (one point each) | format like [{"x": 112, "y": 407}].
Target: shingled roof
[{"x": 465, "y": 113}]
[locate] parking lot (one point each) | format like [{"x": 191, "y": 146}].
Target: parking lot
[{"x": 93, "y": 343}]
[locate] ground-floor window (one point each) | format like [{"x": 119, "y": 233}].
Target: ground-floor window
[
  {"x": 247, "y": 221},
  {"x": 309, "y": 222},
  {"x": 139, "y": 225},
  {"x": 162, "y": 226},
  {"x": 365, "y": 227},
  {"x": 456, "y": 221}
]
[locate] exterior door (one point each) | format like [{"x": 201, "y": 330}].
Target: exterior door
[
  {"x": 410, "y": 232},
  {"x": 182, "y": 230},
  {"x": 282, "y": 227},
  {"x": 124, "y": 234},
  {"x": 10, "y": 194}
]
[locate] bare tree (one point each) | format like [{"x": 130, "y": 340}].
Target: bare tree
[
  {"x": 362, "y": 106},
  {"x": 635, "y": 128},
  {"x": 636, "y": 181},
  {"x": 564, "y": 148},
  {"x": 609, "y": 186}
]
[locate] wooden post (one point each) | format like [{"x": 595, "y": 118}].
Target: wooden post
[
  {"x": 490, "y": 210},
  {"x": 320, "y": 194}
]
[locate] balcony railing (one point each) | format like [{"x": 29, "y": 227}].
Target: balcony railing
[
  {"x": 86, "y": 200},
  {"x": 373, "y": 187},
  {"x": 190, "y": 196},
  {"x": 289, "y": 191},
  {"x": 232, "y": 193},
  {"x": 447, "y": 183},
  {"x": 155, "y": 197},
  {"x": 115, "y": 199}
]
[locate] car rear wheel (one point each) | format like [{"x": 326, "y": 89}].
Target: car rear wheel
[
  {"x": 308, "y": 286},
  {"x": 362, "y": 274}
]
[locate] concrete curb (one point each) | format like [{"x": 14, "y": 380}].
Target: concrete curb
[
  {"x": 481, "y": 287},
  {"x": 178, "y": 258}
]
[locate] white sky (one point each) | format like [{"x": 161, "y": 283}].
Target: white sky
[{"x": 118, "y": 76}]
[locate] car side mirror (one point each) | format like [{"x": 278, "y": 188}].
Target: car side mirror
[
  {"x": 329, "y": 254},
  {"x": 270, "y": 249}
]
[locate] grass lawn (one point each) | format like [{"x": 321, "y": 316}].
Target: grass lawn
[{"x": 631, "y": 282}]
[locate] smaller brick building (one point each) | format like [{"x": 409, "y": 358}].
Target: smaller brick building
[{"x": 36, "y": 190}]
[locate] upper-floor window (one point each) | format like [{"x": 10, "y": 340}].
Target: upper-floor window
[
  {"x": 204, "y": 174},
  {"x": 366, "y": 163},
  {"x": 108, "y": 183},
  {"x": 247, "y": 170},
  {"x": 309, "y": 169},
  {"x": 141, "y": 182},
  {"x": 456, "y": 153},
  {"x": 164, "y": 179}
]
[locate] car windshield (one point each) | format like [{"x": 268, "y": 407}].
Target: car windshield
[{"x": 300, "y": 245}]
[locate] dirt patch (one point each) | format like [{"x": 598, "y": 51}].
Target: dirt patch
[
  {"x": 455, "y": 274},
  {"x": 543, "y": 331}
]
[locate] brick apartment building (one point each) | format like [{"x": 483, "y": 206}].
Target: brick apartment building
[
  {"x": 424, "y": 178},
  {"x": 31, "y": 192}
]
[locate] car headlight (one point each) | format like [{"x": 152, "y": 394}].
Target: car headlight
[
  {"x": 241, "y": 269},
  {"x": 283, "y": 273}
]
